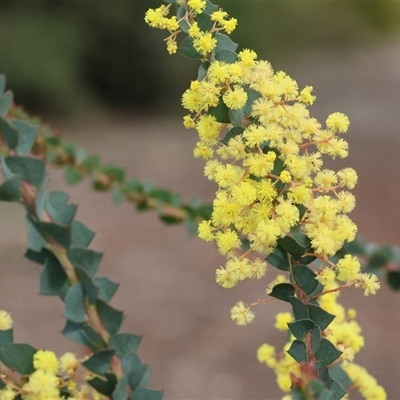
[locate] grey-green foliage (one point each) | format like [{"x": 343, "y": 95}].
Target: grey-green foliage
[{"x": 59, "y": 243}]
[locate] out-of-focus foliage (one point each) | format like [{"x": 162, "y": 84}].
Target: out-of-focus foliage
[{"x": 56, "y": 54}]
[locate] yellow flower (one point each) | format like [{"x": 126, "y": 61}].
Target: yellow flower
[
  {"x": 348, "y": 268},
  {"x": 241, "y": 314},
  {"x": 338, "y": 122},
  {"x": 266, "y": 354},
  {"x": 197, "y": 5},
  {"x": 45, "y": 360},
  {"x": 69, "y": 363},
  {"x": 204, "y": 43},
  {"x": 235, "y": 98},
  {"x": 282, "y": 320},
  {"x": 6, "y": 321}
]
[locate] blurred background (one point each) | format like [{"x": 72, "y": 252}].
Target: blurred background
[{"x": 99, "y": 74}]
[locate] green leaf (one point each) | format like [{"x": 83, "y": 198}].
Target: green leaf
[
  {"x": 134, "y": 369},
  {"x": 83, "y": 334},
  {"x": 2, "y": 83},
  {"x": 87, "y": 259},
  {"x": 9, "y": 133},
  {"x": 252, "y": 95},
  {"x": 28, "y": 168},
  {"x": 210, "y": 7},
  {"x": 203, "y": 70},
  {"x": 220, "y": 112},
  {"x": 27, "y": 136},
  {"x": 117, "y": 195},
  {"x": 226, "y": 56},
  {"x": 186, "y": 49},
  {"x": 89, "y": 287},
  {"x": 341, "y": 376},
  {"x": 305, "y": 278},
  {"x": 72, "y": 176},
  {"x": 320, "y": 317},
  {"x": 393, "y": 279},
  {"x": 6, "y": 337},
  {"x": 6, "y": 102},
  {"x": 298, "y": 351},
  {"x": 235, "y": 131},
  {"x": 224, "y": 42},
  {"x": 112, "y": 318},
  {"x": 338, "y": 391},
  {"x": 117, "y": 173},
  {"x": 316, "y": 338},
  {"x": 300, "y": 310},
  {"x": 180, "y": 14},
  {"x": 38, "y": 257},
  {"x": 236, "y": 117},
  {"x": 53, "y": 279},
  {"x": 279, "y": 259},
  {"x": 41, "y": 199},
  {"x": 191, "y": 227},
  {"x": 125, "y": 343},
  {"x": 282, "y": 291},
  {"x": 106, "y": 287},
  {"x": 327, "y": 353},
  {"x": 35, "y": 240},
  {"x": 205, "y": 211},
  {"x": 121, "y": 389},
  {"x": 91, "y": 162},
  {"x": 292, "y": 246},
  {"x": 10, "y": 190},
  {"x": 80, "y": 234},
  {"x": 380, "y": 257},
  {"x": 74, "y": 309},
  {"x": 325, "y": 376},
  {"x": 60, "y": 234},
  {"x": 204, "y": 21},
  {"x": 60, "y": 211},
  {"x": 146, "y": 394},
  {"x": 106, "y": 386},
  {"x": 300, "y": 328},
  {"x": 18, "y": 356},
  {"x": 99, "y": 362}
]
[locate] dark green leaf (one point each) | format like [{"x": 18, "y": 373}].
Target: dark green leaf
[
  {"x": 300, "y": 328},
  {"x": 340, "y": 375},
  {"x": 2, "y": 83},
  {"x": 28, "y": 168},
  {"x": 316, "y": 338},
  {"x": 57, "y": 206},
  {"x": 327, "y": 353},
  {"x": 53, "y": 279},
  {"x": 60, "y": 234},
  {"x": 235, "y": 131},
  {"x": 106, "y": 287},
  {"x": 9, "y": 133},
  {"x": 27, "y": 136},
  {"x": 121, "y": 389},
  {"x": 18, "y": 356},
  {"x": 38, "y": 257},
  {"x": 300, "y": 310},
  {"x": 338, "y": 391},
  {"x": 125, "y": 343},
  {"x": 325, "y": 376},
  {"x": 203, "y": 70},
  {"x": 106, "y": 386},
  {"x": 180, "y": 14},
  {"x": 224, "y": 42},
  {"x": 81, "y": 235},
  {"x": 355, "y": 247},
  {"x": 146, "y": 394},
  {"x": 89, "y": 287},
  {"x": 72, "y": 176},
  {"x": 116, "y": 172},
  {"x": 134, "y": 369},
  {"x": 91, "y": 162},
  {"x": 6, "y": 337},
  {"x": 380, "y": 257},
  {"x": 279, "y": 259},
  {"x": 320, "y": 317},
  {"x": 210, "y": 7},
  {"x": 393, "y": 279},
  {"x": 236, "y": 117},
  {"x": 305, "y": 278},
  {"x": 35, "y": 240},
  {"x": 298, "y": 351},
  {"x": 87, "y": 259},
  {"x": 99, "y": 362},
  {"x": 83, "y": 334},
  {"x": 186, "y": 49},
  {"x": 74, "y": 309},
  {"x": 292, "y": 247},
  {"x": 10, "y": 190},
  {"x": 220, "y": 112},
  {"x": 252, "y": 95},
  {"x": 5, "y": 103},
  {"x": 282, "y": 291},
  {"x": 226, "y": 56},
  {"x": 205, "y": 211},
  {"x": 204, "y": 21},
  {"x": 112, "y": 318}
]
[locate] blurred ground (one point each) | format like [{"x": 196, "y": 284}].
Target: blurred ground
[{"x": 167, "y": 279}]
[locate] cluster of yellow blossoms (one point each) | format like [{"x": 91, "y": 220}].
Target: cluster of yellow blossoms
[
  {"x": 50, "y": 376},
  {"x": 344, "y": 332}
]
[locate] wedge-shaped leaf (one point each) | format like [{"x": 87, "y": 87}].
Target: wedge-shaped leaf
[
  {"x": 89, "y": 287},
  {"x": 298, "y": 351},
  {"x": 202, "y": 73},
  {"x": 327, "y": 353},
  {"x": 117, "y": 173},
  {"x": 112, "y": 318},
  {"x": 341, "y": 376},
  {"x": 10, "y": 190},
  {"x": 338, "y": 391},
  {"x": 220, "y": 112},
  {"x": 210, "y": 7},
  {"x": 146, "y": 394},
  {"x": 8, "y": 174},
  {"x": 320, "y": 317},
  {"x": 60, "y": 234},
  {"x": 81, "y": 235},
  {"x": 9, "y": 132},
  {"x": 38, "y": 257},
  {"x": 316, "y": 338},
  {"x": 27, "y": 136},
  {"x": 35, "y": 240},
  {"x": 99, "y": 362},
  {"x": 204, "y": 21},
  {"x": 224, "y": 42},
  {"x": 319, "y": 391},
  {"x": 74, "y": 309},
  {"x": 18, "y": 356},
  {"x": 87, "y": 259},
  {"x": 72, "y": 176},
  {"x": 186, "y": 49},
  {"x": 6, "y": 337},
  {"x": 83, "y": 334},
  {"x": 59, "y": 209},
  {"x": 121, "y": 389},
  {"x": 325, "y": 376},
  {"x": 5, "y": 102},
  {"x": 282, "y": 291},
  {"x": 226, "y": 56},
  {"x": 134, "y": 369},
  {"x": 235, "y": 131},
  {"x": 300, "y": 328},
  {"x": 300, "y": 310},
  {"x": 318, "y": 290},
  {"x": 106, "y": 287},
  {"x": 91, "y": 162},
  {"x": 236, "y": 117},
  {"x": 106, "y": 385},
  {"x": 183, "y": 24},
  {"x": 53, "y": 279},
  {"x": 294, "y": 248},
  {"x": 305, "y": 278},
  {"x": 28, "y": 168},
  {"x": 279, "y": 259},
  {"x": 252, "y": 95},
  {"x": 125, "y": 343}
]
